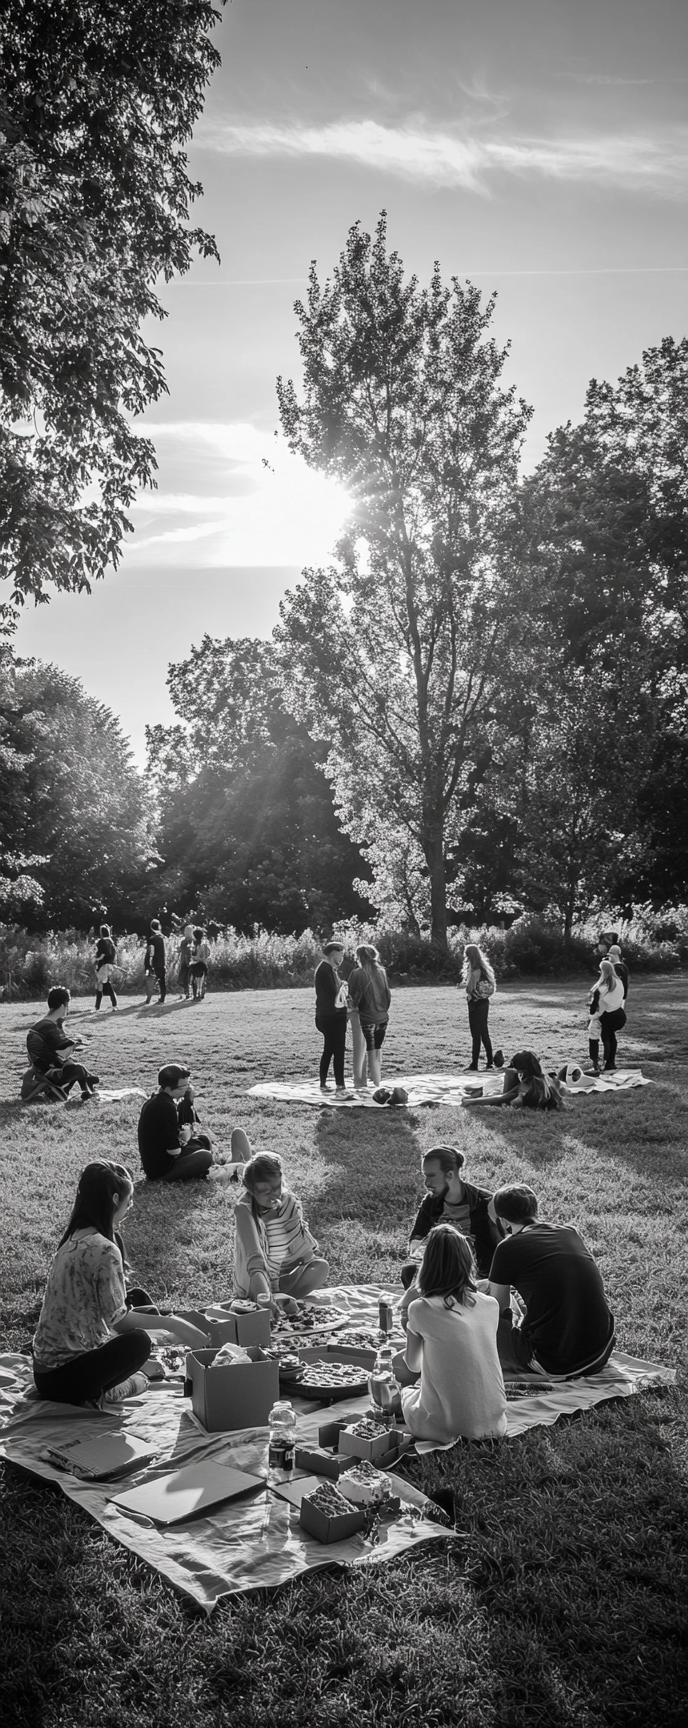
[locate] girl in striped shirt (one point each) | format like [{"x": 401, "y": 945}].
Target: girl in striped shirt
[{"x": 274, "y": 1251}]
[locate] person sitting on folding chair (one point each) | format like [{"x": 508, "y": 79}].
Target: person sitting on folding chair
[{"x": 48, "y": 1045}]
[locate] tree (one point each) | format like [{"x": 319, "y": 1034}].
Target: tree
[
  {"x": 74, "y": 832},
  {"x": 96, "y": 99},
  {"x": 395, "y": 657},
  {"x": 247, "y": 826}
]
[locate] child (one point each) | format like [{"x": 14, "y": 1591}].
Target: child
[
  {"x": 452, "y": 1341},
  {"x": 274, "y": 1251},
  {"x": 594, "y": 1032},
  {"x": 89, "y": 1347}
]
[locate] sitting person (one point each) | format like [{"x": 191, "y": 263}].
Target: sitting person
[
  {"x": 451, "y": 1342},
  {"x": 89, "y": 1345},
  {"x": 48, "y": 1043},
  {"x": 274, "y": 1251},
  {"x": 536, "y": 1091},
  {"x": 453, "y": 1200},
  {"x": 171, "y": 1152},
  {"x": 568, "y": 1327}
]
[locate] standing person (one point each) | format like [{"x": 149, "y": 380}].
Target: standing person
[
  {"x": 185, "y": 956},
  {"x": 479, "y": 983},
  {"x": 451, "y": 1340},
  {"x": 48, "y": 1044},
  {"x": 105, "y": 966},
  {"x": 611, "y": 1011},
  {"x": 198, "y": 970},
  {"x": 170, "y": 1152},
  {"x": 89, "y": 1344},
  {"x": 274, "y": 1251},
  {"x": 154, "y": 962},
  {"x": 371, "y": 997},
  {"x": 568, "y": 1326},
  {"x": 331, "y": 999}
]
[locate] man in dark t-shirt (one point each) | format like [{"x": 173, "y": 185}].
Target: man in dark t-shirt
[
  {"x": 168, "y": 1152},
  {"x": 154, "y": 962},
  {"x": 47, "y": 1045},
  {"x": 568, "y": 1327}
]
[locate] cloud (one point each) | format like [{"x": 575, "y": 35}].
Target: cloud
[
  {"x": 283, "y": 514},
  {"x": 445, "y": 159}
]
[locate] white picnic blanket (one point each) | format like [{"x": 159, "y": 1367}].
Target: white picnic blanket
[{"x": 451, "y": 1089}]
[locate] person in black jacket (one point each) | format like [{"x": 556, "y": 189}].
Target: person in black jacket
[
  {"x": 331, "y": 998},
  {"x": 154, "y": 964},
  {"x": 455, "y": 1201},
  {"x": 105, "y": 965}
]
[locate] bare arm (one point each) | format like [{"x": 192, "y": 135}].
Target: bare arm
[{"x": 133, "y": 1321}]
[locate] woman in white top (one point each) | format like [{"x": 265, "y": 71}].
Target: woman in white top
[
  {"x": 452, "y": 1340},
  {"x": 611, "y": 1011}
]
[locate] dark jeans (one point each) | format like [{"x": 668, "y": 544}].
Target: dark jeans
[
  {"x": 65, "y": 1074},
  {"x": 87, "y": 1377},
  {"x": 105, "y": 989},
  {"x": 515, "y": 1354},
  {"x": 477, "y": 1020},
  {"x": 195, "y": 1160},
  {"x": 334, "y": 1045},
  {"x": 161, "y": 979},
  {"x": 611, "y": 1024}
]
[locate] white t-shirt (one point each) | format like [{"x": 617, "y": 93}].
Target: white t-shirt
[
  {"x": 84, "y": 1296},
  {"x": 461, "y": 1390}
]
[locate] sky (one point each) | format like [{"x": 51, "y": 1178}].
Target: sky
[{"x": 537, "y": 147}]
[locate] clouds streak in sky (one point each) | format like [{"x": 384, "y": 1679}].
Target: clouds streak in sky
[{"x": 416, "y": 152}]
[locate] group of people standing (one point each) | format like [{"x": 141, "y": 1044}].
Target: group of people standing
[
  {"x": 194, "y": 958},
  {"x": 363, "y": 1001}
]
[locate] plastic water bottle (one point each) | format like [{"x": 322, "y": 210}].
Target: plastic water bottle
[
  {"x": 282, "y": 1440},
  {"x": 383, "y": 1386}
]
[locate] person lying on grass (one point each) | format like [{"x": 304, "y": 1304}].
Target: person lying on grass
[
  {"x": 274, "y": 1254},
  {"x": 50, "y": 1047},
  {"x": 171, "y": 1147},
  {"x": 451, "y": 1348},
  {"x": 453, "y": 1200},
  {"x": 525, "y": 1086},
  {"x": 567, "y": 1328},
  {"x": 89, "y": 1345}
]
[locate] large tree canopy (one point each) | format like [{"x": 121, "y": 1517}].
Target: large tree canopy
[
  {"x": 247, "y": 827},
  {"x": 97, "y": 98},
  {"x": 74, "y": 813},
  {"x": 396, "y": 657}
]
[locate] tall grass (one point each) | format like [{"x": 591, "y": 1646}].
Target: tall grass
[{"x": 533, "y": 947}]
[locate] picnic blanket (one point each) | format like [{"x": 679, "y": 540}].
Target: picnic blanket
[
  {"x": 256, "y": 1544},
  {"x": 433, "y": 1089}
]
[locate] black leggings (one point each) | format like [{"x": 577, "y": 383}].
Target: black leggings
[
  {"x": 83, "y": 1380},
  {"x": 105, "y": 989},
  {"x": 610, "y": 1025},
  {"x": 195, "y": 1160},
  {"x": 334, "y": 1046},
  {"x": 477, "y": 1020},
  {"x": 67, "y": 1073}
]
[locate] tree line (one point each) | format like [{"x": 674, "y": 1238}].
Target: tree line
[{"x": 478, "y": 706}]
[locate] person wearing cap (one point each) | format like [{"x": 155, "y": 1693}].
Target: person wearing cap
[
  {"x": 170, "y": 1151},
  {"x": 331, "y": 1012}
]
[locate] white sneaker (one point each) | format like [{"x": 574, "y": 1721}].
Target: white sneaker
[{"x": 130, "y": 1388}]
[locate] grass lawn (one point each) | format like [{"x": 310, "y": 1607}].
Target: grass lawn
[{"x": 563, "y": 1602}]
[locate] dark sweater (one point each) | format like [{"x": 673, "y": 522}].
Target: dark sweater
[
  {"x": 158, "y": 1134},
  {"x": 486, "y": 1234},
  {"x": 327, "y": 985}
]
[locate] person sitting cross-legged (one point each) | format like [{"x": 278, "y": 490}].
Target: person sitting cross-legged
[
  {"x": 171, "y": 1151},
  {"x": 568, "y": 1328},
  {"x": 49, "y": 1048},
  {"x": 450, "y": 1199},
  {"x": 275, "y": 1254}
]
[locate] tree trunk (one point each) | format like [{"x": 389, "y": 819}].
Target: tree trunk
[{"x": 433, "y": 848}]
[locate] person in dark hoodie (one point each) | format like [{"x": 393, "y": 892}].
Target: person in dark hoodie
[{"x": 451, "y": 1200}]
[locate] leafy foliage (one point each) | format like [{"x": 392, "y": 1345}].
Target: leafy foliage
[
  {"x": 96, "y": 101},
  {"x": 394, "y": 658},
  {"x": 74, "y": 835},
  {"x": 247, "y": 825}
]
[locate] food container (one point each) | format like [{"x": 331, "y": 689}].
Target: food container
[
  {"x": 320, "y": 1463},
  {"x": 363, "y": 1484},
  {"x": 240, "y": 1395},
  {"x": 331, "y": 1525},
  {"x": 373, "y": 1443}
]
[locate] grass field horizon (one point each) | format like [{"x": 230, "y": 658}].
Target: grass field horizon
[{"x": 562, "y": 1602}]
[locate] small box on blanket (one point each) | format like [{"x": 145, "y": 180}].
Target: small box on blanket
[
  {"x": 369, "y": 1439},
  {"x": 238, "y": 1395},
  {"x": 329, "y": 1517},
  {"x": 320, "y": 1463}
]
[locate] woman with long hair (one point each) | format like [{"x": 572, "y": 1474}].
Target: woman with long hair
[
  {"x": 451, "y": 1341},
  {"x": 371, "y": 996},
  {"x": 274, "y": 1252},
  {"x": 612, "y": 1015},
  {"x": 89, "y": 1345},
  {"x": 536, "y": 1090},
  {"x": 106, "y": 955},
  {"x": 479, "y": 982}
]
